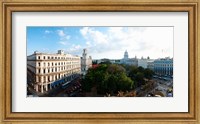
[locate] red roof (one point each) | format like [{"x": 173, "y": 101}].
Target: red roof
[{"x": 95, "y": 65}]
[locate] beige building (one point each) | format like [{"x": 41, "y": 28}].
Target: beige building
[{"x": 47, "y": 71}]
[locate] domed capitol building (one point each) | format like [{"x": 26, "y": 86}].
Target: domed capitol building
[{"x": 129, "y": 61}]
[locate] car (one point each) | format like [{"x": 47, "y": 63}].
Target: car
[
  {"x": 149, "y": 95},
  {"x": 158, "y": 96},
  {"x": 169, "y": 95},
  {"x": 155, "y": 76}
]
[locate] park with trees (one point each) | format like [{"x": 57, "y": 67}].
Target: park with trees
[{"x": 109, "y": 78}]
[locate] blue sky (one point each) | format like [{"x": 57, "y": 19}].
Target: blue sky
[{"x": 102, "y": 42}]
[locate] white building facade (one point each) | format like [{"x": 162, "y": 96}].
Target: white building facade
[
  {"x": 146, "y": 63},
  {"x": 47, "y": 71}
]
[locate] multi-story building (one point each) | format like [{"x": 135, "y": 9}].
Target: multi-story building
[
  {"x": 146, "y": 63},
  {"x": 86, "y": 62},
  {"x": 47, "y": 71},
  {"x": 164, "y": 66}
]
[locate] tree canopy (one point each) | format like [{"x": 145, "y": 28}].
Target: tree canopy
[
  {"x": 138, "y": 74},
  {"x": 111, "y": 78},
  {"x": 108, "y": 78}
]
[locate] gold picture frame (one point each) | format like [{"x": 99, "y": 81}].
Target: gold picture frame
[{"x": 9, "y": 6}]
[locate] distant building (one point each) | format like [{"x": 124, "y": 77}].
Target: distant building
[
  {"x": 150, "y": 65},
  {"x": 86, "y": 62},
  {"x": 146, "y": 63},
  {"x": 105, "y": 60},
  {"x": 129, "y": 61},
  {"x": 163, "y": 66},
  {"x": 115, "y": 61},
  {"x": 46, "y": 71},
  {"x": 95, "y": 61},
  {"x": 125, "y": 55}
]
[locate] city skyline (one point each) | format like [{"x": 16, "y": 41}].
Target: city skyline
[{"x": 102, "y": 42}]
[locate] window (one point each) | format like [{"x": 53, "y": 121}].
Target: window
[
  {"x": 49, "y": 79},
  {"x": 48, "y": 64},
  {"x": 51, "y": 57},
  {"x": 40, "y": 79},
  {"x": 52, "y": 70},
  {"x": 44, "y": 71},
  {"x": 52, "y": 63},
  {"x": 48, "y": 57},
  {"x": 38, "y": 70},
  {"x": 39, "y": 64},
  {"x": 44, "y": 57}
]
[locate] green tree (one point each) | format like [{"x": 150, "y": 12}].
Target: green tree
[
  {"x": 115, "y": 69},
  {"x": 141, "y": 69},
  {"x": 107, "y": 79},
  {"x": 148, "y": 73},
  {"x": 139, "y": 77},
  {"x": 124, "y": 83}
]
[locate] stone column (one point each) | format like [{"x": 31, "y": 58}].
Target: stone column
[
  {"x": 53, "y": 77},
  {"x": 46, "y": 86},
  {"x": 42, "y": 80},
  {"x": 41, "y": 88},
  {"x": 41, "y": 70},
  {"x": 36, "y": 88}
]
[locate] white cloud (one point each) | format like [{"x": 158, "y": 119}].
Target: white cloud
[
  {"x": 84, "y": 31},
  {"x": 47, "y": 32},
  {"x": 68, "y": 37},
  {"x": 45, "y": 50},
  {"x": 63, "y": 42},
  {"x": 140, "y": 41},
  {"x": 63, "y": 35},
  {"x": 74, "y": 49}
]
